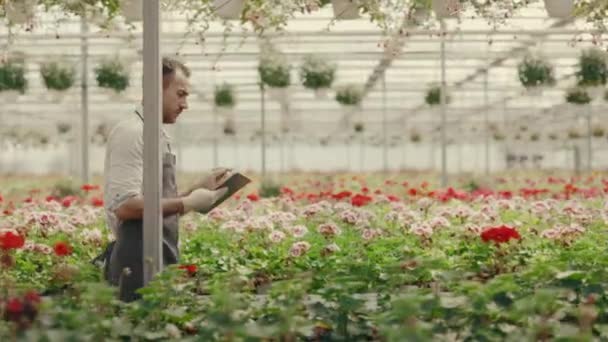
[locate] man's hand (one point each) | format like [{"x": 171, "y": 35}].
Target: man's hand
[
  {"x": 212, "y": 180},
  {"x": 201, "y": 200}
]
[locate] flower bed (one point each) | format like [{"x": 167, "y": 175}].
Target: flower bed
[{"x": 347, "y": 259}]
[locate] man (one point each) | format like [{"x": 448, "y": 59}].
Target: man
[{"x": 123, "y": 192}]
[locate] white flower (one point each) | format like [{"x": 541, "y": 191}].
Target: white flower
[{"x": 425, "y": 203}]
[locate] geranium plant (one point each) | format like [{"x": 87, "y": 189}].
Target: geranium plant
[{"x": 433, "y": 97}]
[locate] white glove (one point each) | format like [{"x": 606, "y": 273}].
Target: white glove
[
  {"x": 212, "y": 180},
  {"x": 201, "y": 200}
]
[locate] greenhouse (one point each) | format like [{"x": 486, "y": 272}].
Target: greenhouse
[{"x": 313, "y": 170}]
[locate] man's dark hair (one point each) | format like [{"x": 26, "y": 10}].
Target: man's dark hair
[{"x": 170, "y": 65}]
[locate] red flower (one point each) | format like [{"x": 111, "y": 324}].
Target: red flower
[
  {"x": 364, "y": 190},
  {"x": 1, "y": 199},
  {"x": 360, "y": 200},
  {"x": 28, "y": 200},
  {"x": 191, "y": 269},
  {"x": 97, "y": 202},
  {"x": 89, "y": 187},
  {"x": 412, "y": 192},
  {"x": 51, "y": 199},
  {"x": 14, "y": 306},
  {"x": 393, "y": 198},
  {"x": 342, "y": 195},
  {"x": 32, "y": 297},
  {"x": 7, "y": 212},
  {"x": 67, "y": 201},
  {"x": 62, "y": 248},
  {"x": 499, "y": 234},
  {"x": 253, "y": 197},
  {"x": 10, "y": 240}
]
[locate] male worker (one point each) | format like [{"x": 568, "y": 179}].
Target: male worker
[{"x": 123, "y": 192}]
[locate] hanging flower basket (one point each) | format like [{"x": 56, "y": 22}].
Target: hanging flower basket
[
  {"x": 559, "y": 8},
  {"x": 317, "y": 74},
  {"x": 447, "y": 8},
  {"x": 229, "y": 126},
  {"x": 113, "y": 76},
  {"x": 577, "y": 96},
  {"x": 598, "y": 132},
  {"x": 228, "y": 9},
  {"x": 58, "y": 78},
  {"x": 593, "y": 71},
  {"x": 275, "y": 72},
  {"x": 132, "y": 10},
  {"x": 349, "y": 95},
  {"x": 433, "y": 97},
  {"x": 535, "y": 74},
  {"x": 224, "y": 96},
  {"x": 12, "y": 81},
  {"x": 346, "y": 9},
  {"x": 19, "y": 11}
]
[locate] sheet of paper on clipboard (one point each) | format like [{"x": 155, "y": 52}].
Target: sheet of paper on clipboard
[{"x": 235, "y": 183}]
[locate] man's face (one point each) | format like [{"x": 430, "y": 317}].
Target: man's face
[{"x": 176, "y": 89}]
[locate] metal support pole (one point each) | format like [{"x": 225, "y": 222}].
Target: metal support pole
[
  {"x": 589, "y": 140},
  {"x": 152, "y": 95},
  {"x": 486, "y": 103},
  {"x": 84, "y": 101},
  {"x": 444, "y": 155},
  {"x": 384, "y": 126},
  {"x": 263, "y": 108},
  {"x": 215, "y": 137}
]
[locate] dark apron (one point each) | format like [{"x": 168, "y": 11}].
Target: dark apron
[{"x": 127, "y": 251}]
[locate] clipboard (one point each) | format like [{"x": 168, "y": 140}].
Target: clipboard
[{"x": 235, "y": 183}]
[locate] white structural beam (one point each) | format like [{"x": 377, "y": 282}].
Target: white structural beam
[
  {"x": 152, "y": 96},
  {"x": 84, "y": 103}
]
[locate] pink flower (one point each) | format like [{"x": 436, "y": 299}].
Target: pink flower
[
  {"x": 276, "y": 236},
  {"x": 330, "y": 249},
  {"x": 369, "y": 234},
  {"x": 422, "y": 229},
  {"x": 439, "y": 222},
  {"x": 299, "y": 231},
  {"x": 329, "y": 229},
  {"x": 349, "y": 216},
  {"x": 552, "y": 234},
  {"x": 299, "y": 248}
]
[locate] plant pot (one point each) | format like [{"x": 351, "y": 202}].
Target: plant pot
[
  {"x": 595, "y": 91},
  {"x": 9, "y": 96},
  {"x": 278, "y": 94},
  {"x": 228, "y": 9},
  {"x": 559, "y": 8},
  {"x": 447, "y": 8},
  {"x": 132, "y": 10},
  {"x": 321, "y": 93},
  {"x": 19, "y": 12},
  {"x": 346, "y": 9},
  {"x": 229, "y": 126}
]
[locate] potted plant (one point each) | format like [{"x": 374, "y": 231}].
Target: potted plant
[
  {"x": 132, "y": 10},
  {"x": 229, "y": 126},
  {"x": 275, "y": 72},
  {"x": 447, "y": 8},
  {"x": 12, "y": 80},
  {"x": 592, "y": 72},
  {"x": 58, "y": 78},
  {"x": 345, "y": 9},
  {"x": 433, "y": 97},
  {"x": 228, "y": 9},
  {"x": 598, "y": 132},
  {"x": 577, "y": 96},
  {"x": 535, "y": 73},
  {"x": 19, "y": 11},
  {"x": 359, "y": 127},
  {"x": 113, "y": 76},
  {"x": 317, "y": 74},
  {"x": 63, "y": 128},
  {"x": 559, "y": 8},
  {"x": 349, "y": 95}
]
